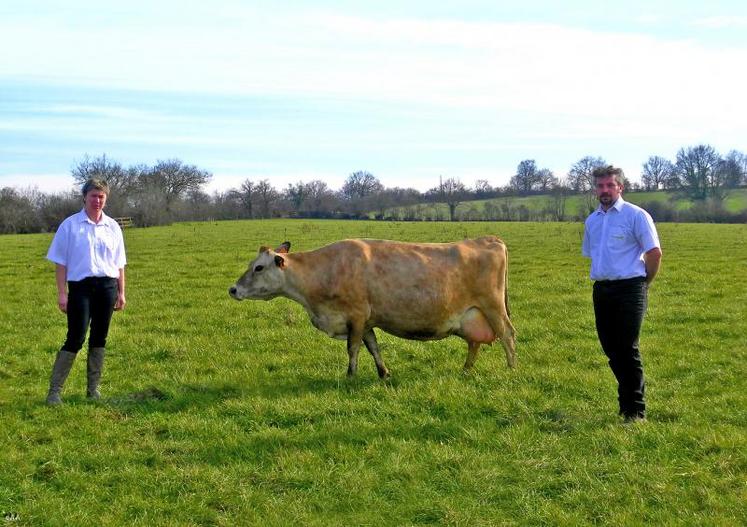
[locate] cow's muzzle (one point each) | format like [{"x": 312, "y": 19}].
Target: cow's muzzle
[{"x": 232, "y": 292}]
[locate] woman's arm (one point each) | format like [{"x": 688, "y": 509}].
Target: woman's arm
[
  {"x": 120, "y": 303},
  {"x": 60, "y": 273}
]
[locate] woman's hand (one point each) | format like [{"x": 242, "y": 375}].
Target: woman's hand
[
  {"x": 119, "y": 305},
  {"x": 62, "y": 302}
]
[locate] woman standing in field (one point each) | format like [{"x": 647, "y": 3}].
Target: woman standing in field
[{"x": 88, "y": 250}]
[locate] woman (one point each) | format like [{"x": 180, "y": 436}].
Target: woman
[{"x": 88, "y": 250}]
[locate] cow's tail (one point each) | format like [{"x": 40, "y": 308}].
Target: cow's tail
[
  {"x": 508, "y": 339},
  {"x": 505, "y": 283}
]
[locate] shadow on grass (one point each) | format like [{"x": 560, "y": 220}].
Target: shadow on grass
[{"x": 182, "y": 397}]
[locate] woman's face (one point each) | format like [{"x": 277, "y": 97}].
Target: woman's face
[{"x": 94, "y": 201}]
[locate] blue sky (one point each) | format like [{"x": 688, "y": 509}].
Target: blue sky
[{"x": 410, "y": 91}]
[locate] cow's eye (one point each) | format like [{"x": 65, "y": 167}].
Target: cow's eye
[{"x": 258, "y": 268}]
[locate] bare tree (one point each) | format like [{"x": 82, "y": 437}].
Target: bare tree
[
  {"x": 732, "y": 169},
  {"x": 320, "y": 199},
  {"x": 228, "y": 205},
  {"x": 383, "y": 202},
  {"x": 579, "y": 176},
  {"x": 580, "y": 179},
  {"x": 17, "y": 214},
  {"x": 295, "y": 195},
  {"x": 546, "y": 180},
  {"x": 743, "y": 165},
  {"x": 359, "y": 189},
  {"x": 197, "y": 205},
  {"x": 559, "y": 193},
  {"x": 698, "y": 170},
  {"x": 313, "y": 199},
  {"x": 101, "y": 168},
  {"x": 265, "y": 197},
  {"x": 53, "y": 208},
  {"x": 360, "y": 184},
  {"x": 149, "y": 203},
  {"x": 122, "y": 182},
  {"x": 406, "y": 196},
  {"x": 483, "y": 189},
  {"x": 174, "y": 179},
  {"x": 246, "y": 197},
  {"x": 657, "y": 172},
  {"x": 452, "y": 192},
  {"x": 526, "y": 176}
]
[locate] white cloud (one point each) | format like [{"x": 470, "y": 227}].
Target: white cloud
[
  {"x": 648, "y": 19},
  {"x": 102, "y": 111},
  {"x": 50, "y": 182},
  {"x": 495, "y": 66},
  {"x": 722, "y": 22},
  {"x": 484, "y": 87}
]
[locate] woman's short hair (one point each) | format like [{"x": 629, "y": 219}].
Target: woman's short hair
[
  {"x": 95, "y": 184},
  {"x": 609, "y": 170}
]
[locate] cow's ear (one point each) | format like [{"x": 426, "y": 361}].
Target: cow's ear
[
  {"x": 284, "y": 247},
  {"x": 263, "y": 249},
  {"x": 279, "y": 261}
]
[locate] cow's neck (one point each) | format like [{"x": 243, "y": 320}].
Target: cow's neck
[{"x": 298, "y": 282}]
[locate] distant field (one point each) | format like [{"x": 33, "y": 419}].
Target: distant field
[
  {"x": 736, "y": 201},
  {"x": 217, "y": 412}
]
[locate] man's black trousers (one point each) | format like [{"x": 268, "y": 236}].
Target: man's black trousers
[{"x": 619, "y": 306}]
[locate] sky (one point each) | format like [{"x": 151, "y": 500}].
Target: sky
[{"x": 411, "y": 91}]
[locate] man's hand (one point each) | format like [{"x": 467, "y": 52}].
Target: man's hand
[{"x": 652, "y": 259}]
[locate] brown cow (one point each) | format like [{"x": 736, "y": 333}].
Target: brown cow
[{"x": 418, "y": 291}]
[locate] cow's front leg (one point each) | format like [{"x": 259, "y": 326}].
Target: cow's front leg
[
  {"x": 355, "y": 335},
  {"x": 369, "y": 339},
  {"x": 472, "y": 350}
]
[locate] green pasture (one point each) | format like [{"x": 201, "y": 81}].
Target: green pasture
[
  {"x": 576, "y": 205},
  {"x": 218, "y": 412}
]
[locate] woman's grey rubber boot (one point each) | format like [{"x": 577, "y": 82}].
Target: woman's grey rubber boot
[
  {"x": 95, "y": 367},
  {"x": 60, "y": 371}
]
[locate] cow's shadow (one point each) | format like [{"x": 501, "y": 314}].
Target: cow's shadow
[{"x": 191, "y": 395}]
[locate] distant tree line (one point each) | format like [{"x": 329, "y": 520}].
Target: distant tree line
[{"x": 172, "y": 190}]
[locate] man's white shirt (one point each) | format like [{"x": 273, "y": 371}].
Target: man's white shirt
[
  {"x": 617, "y": 239},
  {"x": 88, "y": 249}
]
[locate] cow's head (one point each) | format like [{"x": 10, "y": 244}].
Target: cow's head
[{"x": 265, "y": 277}]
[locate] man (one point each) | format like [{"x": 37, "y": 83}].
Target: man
[{"x": 621, "y": 240}]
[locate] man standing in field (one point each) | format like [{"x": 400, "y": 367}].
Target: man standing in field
[{"x": 621, "y": 240}]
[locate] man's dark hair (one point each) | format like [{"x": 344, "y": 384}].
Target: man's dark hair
[{"x": 609, "y": 170}]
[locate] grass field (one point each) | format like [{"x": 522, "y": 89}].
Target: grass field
[
  {"x": 217, "y": 412},
  {"x": 576, "y": 205}
]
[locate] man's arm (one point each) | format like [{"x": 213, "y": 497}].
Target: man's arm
[{"x": 652, "y": 259}]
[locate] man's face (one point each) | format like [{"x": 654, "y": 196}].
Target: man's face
[{"x": 608, "y": 190}]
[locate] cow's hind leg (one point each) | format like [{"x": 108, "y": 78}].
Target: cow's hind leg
[
  {"x": 505, "y": 331},
  {"x": 354, "y": 345},
  {"x": 473, "y": 349},
  {"x": 369, "y": 339},
  {"x": 508, "y": 340}
]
